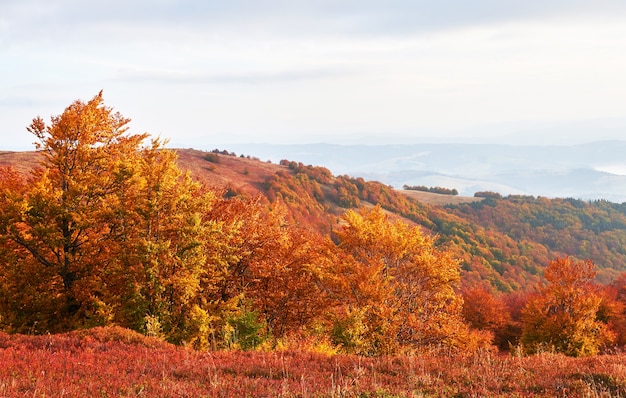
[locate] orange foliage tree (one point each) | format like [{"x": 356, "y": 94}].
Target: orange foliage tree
[
  {"x": 271, "y": 272},
  {"x": 158, "y": 227},
  {"x": 563, "y": 315},
  {"x": 398, "y": 289},
  {"x": 485, "y": 311},
  {"x": 613, "y": 308},
  {"x": 56, "y": 221},
  {"x": 105, "y": 231}
]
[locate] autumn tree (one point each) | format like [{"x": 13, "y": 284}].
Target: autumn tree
[
  {"x": 563, "y": 315},
  {"x": 612, "y": 309},
  {"x": 57, "y": 219},
  {"x": 485, "y": 311},
  {"x": 107, "y": 230},
  {"x": 398, "y": 288},
  {"x": 270, "y": 268},
  {"x": 159, "y": 226}
]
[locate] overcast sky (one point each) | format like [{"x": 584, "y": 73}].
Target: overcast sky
[{"x": 205, "y": 73}]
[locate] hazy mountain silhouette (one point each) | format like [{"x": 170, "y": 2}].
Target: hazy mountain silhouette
[{"x": 586, "y": 171}]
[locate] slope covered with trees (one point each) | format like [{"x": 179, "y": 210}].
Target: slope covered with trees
[
  {"x": 108, "y": 229},
  {"x": 505, "y": 241},
  {"x": 528, "y": 232}
]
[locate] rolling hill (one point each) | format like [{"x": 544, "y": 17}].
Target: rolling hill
[{"x": 503, "y": 242}]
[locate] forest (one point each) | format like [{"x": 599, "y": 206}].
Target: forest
[{"x": 110, "y": 230}]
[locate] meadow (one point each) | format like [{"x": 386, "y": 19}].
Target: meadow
[{"x": 115, "y": 362}]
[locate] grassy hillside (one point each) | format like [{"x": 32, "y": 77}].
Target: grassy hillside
[
  {"x": 439, "y": 199},
  {"x": 20, "y": 161},
  {"x": 506, "y": 242}
]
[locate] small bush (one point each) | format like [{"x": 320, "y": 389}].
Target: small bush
[
  {"x": 212, "y": 157},
  {"x": 244, "y": 330},
  {"x": 349, "y": 332}
]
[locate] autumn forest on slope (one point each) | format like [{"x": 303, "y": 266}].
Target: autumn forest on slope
[{"x": 101, "y": 227}]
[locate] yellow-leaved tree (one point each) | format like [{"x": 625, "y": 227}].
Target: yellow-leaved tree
[
  {"x": 398, "y": 289},
  {"x": 563, "y": 315},
  {"x": 106, "y": 230},
  {"x": 158, "y": 225}
]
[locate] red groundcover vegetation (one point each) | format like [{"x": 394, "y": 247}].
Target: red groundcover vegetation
[{"x": 112, "y": 362}]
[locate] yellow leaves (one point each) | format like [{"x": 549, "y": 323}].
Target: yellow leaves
[
  {"x": 199, "y": 328},
  {"x": 117, "y": 223},
  {"x": 403, "y": 283},
  {"x": 351, "y": 332}
]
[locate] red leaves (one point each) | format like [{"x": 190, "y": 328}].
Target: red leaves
[{"x": 115, "y": 362}]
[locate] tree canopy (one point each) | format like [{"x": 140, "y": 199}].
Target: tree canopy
[
  {"x": 398, "y": 288},
  {"x": 109, "y": 231},
  {"x": 563, "y": 315}
]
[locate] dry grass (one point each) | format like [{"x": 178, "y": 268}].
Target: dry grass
[
  {"x": 22, "y": 162},
  {"x": 438, "y": 199},
  {"x": 241, "y": 173},
  {"x": 117, "y": 362},
  {"x": 238, "y": 172}
]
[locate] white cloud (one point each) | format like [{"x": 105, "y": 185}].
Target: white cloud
[{"x": 280, "y": 69}]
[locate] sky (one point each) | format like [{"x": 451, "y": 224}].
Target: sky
[{"x": 206, "y": 73}]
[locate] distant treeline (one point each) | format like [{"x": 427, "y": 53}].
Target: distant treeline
[
  {"x": 439, "y": 190},
  {"x": 214, "y": 158},
  {"x": 488, "y": 194}
]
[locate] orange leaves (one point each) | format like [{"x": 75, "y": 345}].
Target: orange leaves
[
  {"x": 483, "y": 310},
  {"x": 403, "y": 286},
  {"x": 280, "y": 269},
  {"x": 81, "y": 125},
  {"x": 487, "y": 312},
  {"x": 567, "y": 277},
  {"x": 563, "y": 316},
  {"x": 110, "y": 227}
]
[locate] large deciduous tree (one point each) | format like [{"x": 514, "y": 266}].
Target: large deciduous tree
[
  {"x": 163, "y": 239},
  {"x": 105, "y": 230},
  {"x": 563, "y": 315}
]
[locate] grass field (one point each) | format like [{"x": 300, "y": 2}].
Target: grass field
[
  {"x": 438, "y": 199},
  {"x": 113, "y": 362}
]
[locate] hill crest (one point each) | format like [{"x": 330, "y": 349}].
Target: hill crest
[{"x": 503, "y": 242}]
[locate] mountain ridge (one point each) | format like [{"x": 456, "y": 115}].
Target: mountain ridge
[{"x": 588, "y": 171}]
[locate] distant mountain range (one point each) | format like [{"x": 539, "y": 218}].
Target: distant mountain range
[{"x": 585, "y": 171}]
